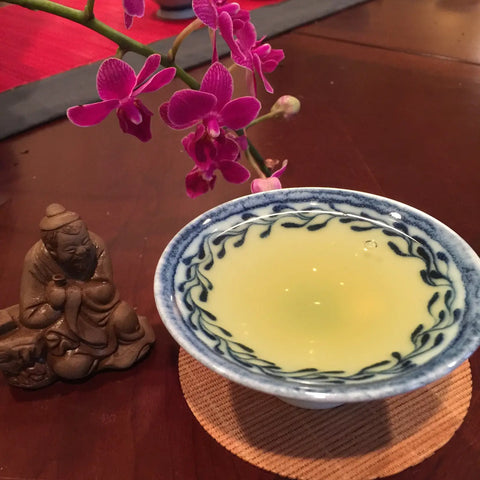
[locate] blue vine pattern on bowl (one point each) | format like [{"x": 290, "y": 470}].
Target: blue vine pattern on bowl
[{"x": 213, "y": 246}]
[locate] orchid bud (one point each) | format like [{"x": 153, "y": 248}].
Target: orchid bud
[{"x": 286, "y": 105}]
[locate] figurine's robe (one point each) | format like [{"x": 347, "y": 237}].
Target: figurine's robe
[{"x": 85, "y": 329}]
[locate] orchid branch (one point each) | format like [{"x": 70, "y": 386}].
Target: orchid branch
[
  {"x": 190, "y": 28},
  {"x": 262, "y": 118},
  {"x": 254, "y": 164},
  {"x": 123, "y": 41},
  {"x": 88, "y": 11},
  {"x": 258, "y": 159}
]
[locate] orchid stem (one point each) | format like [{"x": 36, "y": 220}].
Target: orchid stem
[
  {"x": 123, "y": 41},
  {"x": 120, "y": 53},
  {"x": 254, "y": 164},
  {"x": 253, "y": 153},
  {"x": 262, "y": 118},
  {"x": 258, "y": 159},
  {"x": 88, "y": 10},
  {"x": 190, "y": 28}
]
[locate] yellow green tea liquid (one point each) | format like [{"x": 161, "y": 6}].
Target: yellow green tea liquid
[{"x": 333, "y": 299}]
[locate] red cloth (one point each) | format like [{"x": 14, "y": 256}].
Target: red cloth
[{"x": 36, "y": 45}]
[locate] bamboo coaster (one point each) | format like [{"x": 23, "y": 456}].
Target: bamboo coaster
[{"x": 355, "y": 442}]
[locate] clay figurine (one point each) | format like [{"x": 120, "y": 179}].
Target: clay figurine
[{"x": 70, "y": 321}]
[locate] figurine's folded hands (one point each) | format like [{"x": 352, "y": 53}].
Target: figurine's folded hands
[{"x": 55, "y": 296}]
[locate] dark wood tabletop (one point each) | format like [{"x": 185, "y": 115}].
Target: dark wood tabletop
[{"x": 390, "y": 93}]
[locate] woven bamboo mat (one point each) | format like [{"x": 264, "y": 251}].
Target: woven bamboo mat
[{"x": 351, "y": 442}]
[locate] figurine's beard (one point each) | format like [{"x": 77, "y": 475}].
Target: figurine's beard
[{"x": 81, "y": 267}]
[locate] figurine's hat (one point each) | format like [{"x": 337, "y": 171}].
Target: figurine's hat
[{"x": 57, "y": 216}]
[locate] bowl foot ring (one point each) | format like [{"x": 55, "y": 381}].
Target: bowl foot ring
[{"x": 356, "y": 441}]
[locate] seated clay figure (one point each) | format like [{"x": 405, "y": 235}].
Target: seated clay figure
[{"x": 70, "y": 321}]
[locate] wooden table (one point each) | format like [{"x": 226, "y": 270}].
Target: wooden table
[{"x": 391, "y": 105}]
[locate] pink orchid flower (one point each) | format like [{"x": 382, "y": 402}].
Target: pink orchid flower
[
  {"x": 209, "y": 12},
  {"x": 118, "y": 86},
  {"x": 269, "y": 183},
  {"x": 250, "y": 53},
  {"x": 212, "y": 104},
  {"x": 210, "y": 154},
  {"x": 214, "y": 144},
  {"x": 132, "y": 8}
]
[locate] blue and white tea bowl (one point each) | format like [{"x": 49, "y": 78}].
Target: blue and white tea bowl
[{"x": 181, "y": 289}]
